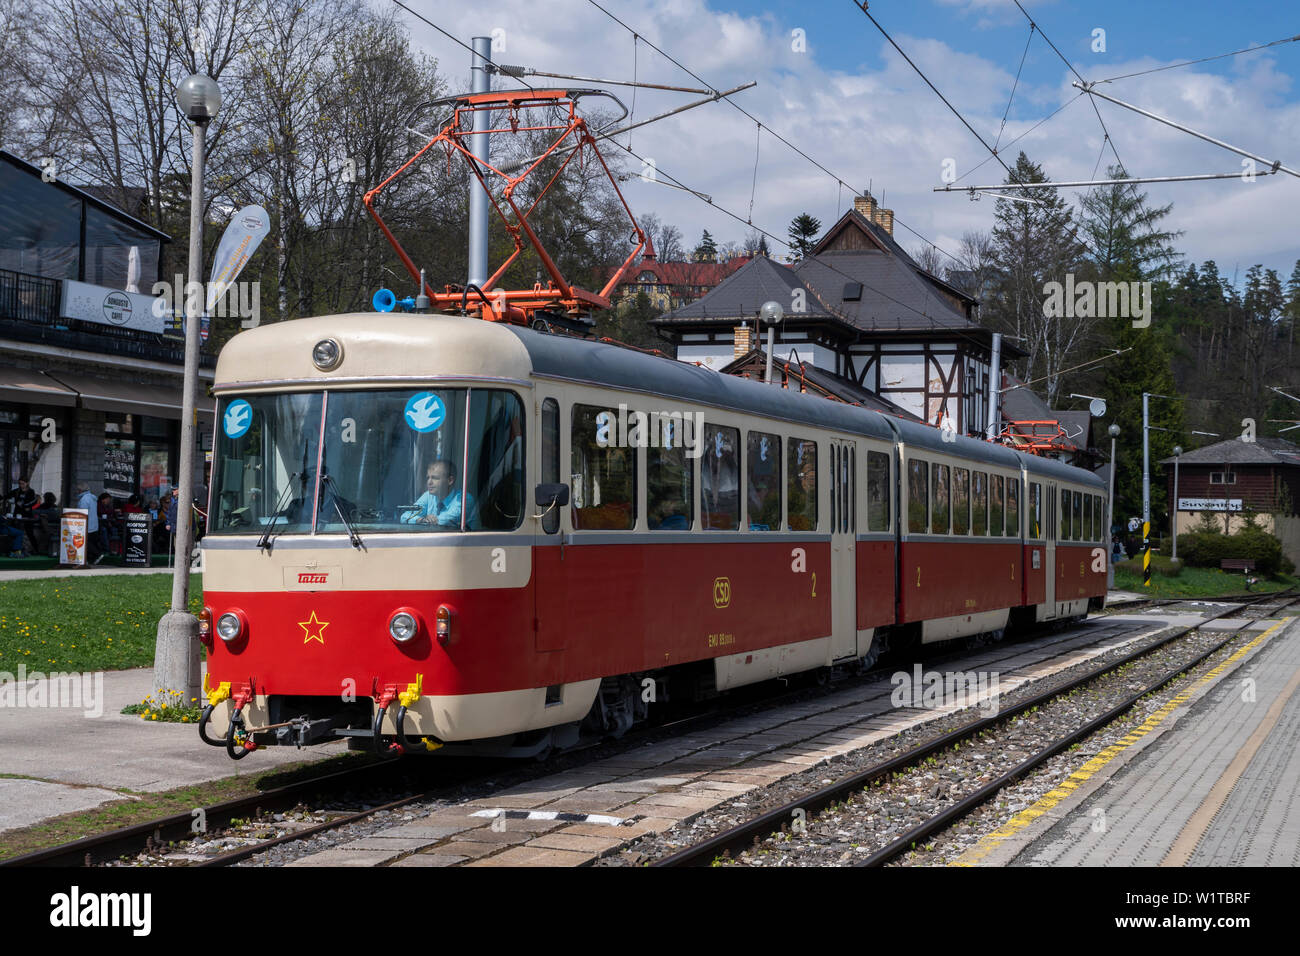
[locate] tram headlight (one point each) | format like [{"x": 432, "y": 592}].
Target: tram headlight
[
  {"x": 231, "y": 626},
  {"x": 403, "y": 625},
  {"x": 327, "y": 354}
]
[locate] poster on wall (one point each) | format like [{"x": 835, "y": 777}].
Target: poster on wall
[
  {"x": 72, "y": 538},
  {"x": 119, "y": 466}
]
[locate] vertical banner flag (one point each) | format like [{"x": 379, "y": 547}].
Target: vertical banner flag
[{"x": 247, "y": 229}]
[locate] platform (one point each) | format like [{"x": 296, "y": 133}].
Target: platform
[
  {"x": 56, "y": 760},
  {"x": 1213, "y": 780}
]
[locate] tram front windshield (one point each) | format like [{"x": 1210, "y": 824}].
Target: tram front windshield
[{"x": 410, "y": 460}]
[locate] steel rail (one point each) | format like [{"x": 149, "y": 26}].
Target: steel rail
[
  {"x": 969, "y": 803},
  {"x": 742, "y": 835}
]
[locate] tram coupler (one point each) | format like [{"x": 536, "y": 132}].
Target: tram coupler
[{"x": 303, "y": 731}]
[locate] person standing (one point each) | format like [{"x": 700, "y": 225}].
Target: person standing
[{"x": 87, "y": 502}]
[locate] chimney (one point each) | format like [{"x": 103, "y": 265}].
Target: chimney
[
  {"x": 866, "y": 206},
  {"x": 885, "y": 220},
  {"x": 743, "y": 341}
]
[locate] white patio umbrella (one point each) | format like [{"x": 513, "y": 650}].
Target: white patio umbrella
[{"x": 133, "y": 270}]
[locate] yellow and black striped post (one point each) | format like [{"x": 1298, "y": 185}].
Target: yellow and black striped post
[{"x": 1146, "y": 554}]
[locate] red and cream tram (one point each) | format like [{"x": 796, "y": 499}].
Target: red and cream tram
[{"x": 430, "y": 530}]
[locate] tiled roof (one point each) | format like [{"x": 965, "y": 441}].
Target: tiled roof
[
  {"x": 893, "y": 296},
  {"x": 739, "y": 297},
  {"x": 1263, "y": 451}
]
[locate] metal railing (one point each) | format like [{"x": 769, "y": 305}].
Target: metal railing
[{"x": 29, "y": 312}]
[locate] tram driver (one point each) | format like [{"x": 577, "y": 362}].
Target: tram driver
[{"x": 440, "y": 505}]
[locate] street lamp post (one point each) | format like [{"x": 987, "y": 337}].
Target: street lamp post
[
  {"x": 1173, "y": 512},
  {"x": 176, "y": 663},
  {"x": 1110, "y": 507},
  {"x": 771, "y": 313}
]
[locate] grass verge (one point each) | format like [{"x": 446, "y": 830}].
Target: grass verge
[
  {"x": 100, "y": 622},
  {"x": 1191, "y": 582}
]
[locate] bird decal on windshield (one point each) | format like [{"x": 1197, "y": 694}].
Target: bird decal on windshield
[{"x": 425, "y": 412}]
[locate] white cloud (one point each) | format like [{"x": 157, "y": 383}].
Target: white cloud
[{"x": 881, "y": 124}]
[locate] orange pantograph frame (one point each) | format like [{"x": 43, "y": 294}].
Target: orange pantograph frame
[{"x": 559, "y": 295}]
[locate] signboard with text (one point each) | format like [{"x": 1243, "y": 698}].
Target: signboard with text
[
  {"x": 136, "y": 548},
  {"x": 104, "y": 306},
  {"x": 1209, "y": 504}
]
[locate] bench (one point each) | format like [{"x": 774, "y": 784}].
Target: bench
[{"x": 1237, "y": 564}]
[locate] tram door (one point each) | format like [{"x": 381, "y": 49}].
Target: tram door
[
  {"x": 1049, "y": 550},
  {"x": 844, "y": 549},
  {"x": 547, "y": 573}
]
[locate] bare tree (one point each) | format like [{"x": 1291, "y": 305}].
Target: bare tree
[{"x": 929, "y": 258}]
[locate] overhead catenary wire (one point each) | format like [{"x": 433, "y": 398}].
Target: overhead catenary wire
[
  {"x": 699, "y": 79},
  {"x": 1204, "y": 59},
  {"x": 1015, "y": 84},
  {"x": 674, "y": 181},
  {"x": 991, "y": 157},
  {"x": 1074, "y": 233},
  {"x": 462, "y": 43}
]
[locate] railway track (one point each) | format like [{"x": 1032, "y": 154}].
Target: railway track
[
  {"x": 751, "y": 832},
  {"x": 244, "y": 819}
]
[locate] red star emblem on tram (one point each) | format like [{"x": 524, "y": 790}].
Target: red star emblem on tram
[{"x": 313, "y": 629}]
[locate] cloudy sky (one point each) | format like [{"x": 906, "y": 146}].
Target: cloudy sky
[{"x": 829, "y": 82}]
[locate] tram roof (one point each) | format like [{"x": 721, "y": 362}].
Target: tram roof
[
  {"x": 613, "y": 366},
  {"x": 387, "y": 346}
]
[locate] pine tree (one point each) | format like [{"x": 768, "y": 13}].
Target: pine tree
[
  {"x": 707, "y": 250},
  {"x": 1034, "y": 244},
  {"x": 803, "y": 235}
]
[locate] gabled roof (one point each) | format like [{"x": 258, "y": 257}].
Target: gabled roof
[
  {"x": 893, "y": 296},
  {"x": 1262, "y": 451},
  {"x": 882, "y": 239},
  {"x": 739, "y": 297}
]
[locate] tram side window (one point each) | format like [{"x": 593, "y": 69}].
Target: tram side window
[
  {"x": 1078, "y": 516},
  {"x": 603, "y": 479},
  {"x": 995, "y": 505},
  {"x": 1065, "y": 516},
  {"x": 1035, "y": 510},
  {"x": 763, "y": 480},
  {"x": 1099, "y": 519},
  {"x": 878, "y": 485},
  {"x": 495, "y": 479},
  {"x": 801, "y": 490},
  {"x": 979, "y": 496},
  {"x": 551, "y": 458},
  {"x": 918, "y": 492},
  {"x": 1013, "y": 507},
  {"x": 669, "y": 477},
  {"x": 960, "y": 500},
  {"x": 1087, "y": 518},
  {"x": 720, "y": 479},
  {"x": 939, "y": 513}
]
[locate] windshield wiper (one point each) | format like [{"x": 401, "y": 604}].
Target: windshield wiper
[
  {"x": 265, "y": 541},
  {"x": 355, "y": 538},
  {"x": 284, "y": 496}
]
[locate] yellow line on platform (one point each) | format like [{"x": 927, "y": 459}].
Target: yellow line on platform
[{"x": 991, "y": 841}]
